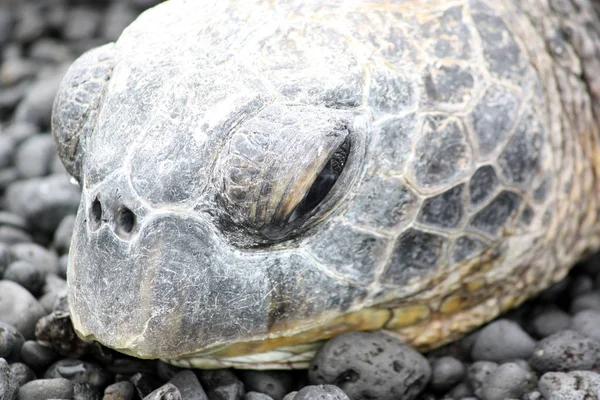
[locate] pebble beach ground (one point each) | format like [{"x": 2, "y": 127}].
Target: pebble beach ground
[{"x": 548, "y": 348}]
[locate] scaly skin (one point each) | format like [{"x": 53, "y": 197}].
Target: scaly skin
[{"x": 470, "y": 183}]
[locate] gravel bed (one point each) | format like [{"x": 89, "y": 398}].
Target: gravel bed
[{"x": 548, "y": 348}]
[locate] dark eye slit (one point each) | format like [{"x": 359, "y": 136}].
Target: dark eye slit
[{"x": 324, "y": 181}]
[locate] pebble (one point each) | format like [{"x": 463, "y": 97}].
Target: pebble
[
  {"x": 273, "y": 383},
  {"x": 119, "y": 391},
  {"x": 42, "y": 258},
  {"x": 566, "y": 350},
  {"x": 570, "y": 386},
  {"x": 43, "y": 202},
  {"x": 37, "y": 356},
  {"x": 321, "y": 392},
  {"x": 189, "y": 386},
  {"x": 500, "y": 341},
  {"x": 21, "y": 373},
  {"x": 11, "y": 235},
  {"x": 445, "y": 373},
  {"x": 27, "y": 275},
  {"x": 19, "y": 308},
  {"x": 580, "y": 285},
  {"x": 221, "y": 384},
  {"x": 82, "y": 23},
  {"x": 550, "y": 321},
  {"x": 34, "y": 156},
  {"x": 478, "y": 373},
  {"x": 36, "y": 106},
  {"x": 587, "y": 322},
  {"x": 42, "y": 389},
  {"x": 8, "y": 386},
  {"x": 11, "y": 341},
  {"x": 258, "y": 396},
  {"x": 63, "y": 233},
  {"x": 50, "y": 51},
  {"x": 167, "y": 391},
  {"x": 509, "y": 380},
  {"x": 145, "y": 383},
  {"x": 79, "y": 371},
  {"x": 18, "y": 132},
  {"x": 371, "y": 365},
  {"x": 586, "y": 301}
]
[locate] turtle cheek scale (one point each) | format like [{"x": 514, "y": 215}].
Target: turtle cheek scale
[{"x": 173, "y": 287}]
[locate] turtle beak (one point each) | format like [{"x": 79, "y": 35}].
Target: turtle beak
[{"x": 170, "y": 288}]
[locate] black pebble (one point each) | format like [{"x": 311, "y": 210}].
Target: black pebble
[
  {"x": 566, "y": 351},
  {"x": 11, "y": 341},
  {"x": 273, "y": 383},
  {"x": 221, "y": 384},
  {"x": 37, "y": 356},
  {"x": 21, "y": 373},
  {"x": 79, "y": 371},
  {"x": 371, "y": 365}
]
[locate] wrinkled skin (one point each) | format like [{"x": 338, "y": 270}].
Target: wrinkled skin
[{"x": 261, "y": 175}]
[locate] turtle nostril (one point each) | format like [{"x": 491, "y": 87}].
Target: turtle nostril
[
  {"x": 96, "y": 211},
  {"x": 126, "y": 219}
]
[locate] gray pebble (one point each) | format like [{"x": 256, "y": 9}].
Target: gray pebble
[
  {"x": 371, "y": 365},
  {"x": 535, "y": 395},
  {"x": 12, "y": 235},
  {"x": 586, "y": 301},
  {"x": 13, "y": 220},
  {"x": 11, "y": 341},
  {"x": 43, "y": 202},
  {"x": 63, "y": 233},
  {"x": 551, "y": 321},
  {"x": 7, "y": 175},
  {"x": 37, "y": 255},
  {"x": 36, "y": 106},
  {"x": 445, "y": 373},
  {"x": 16, "y": 70},
  {"x": 189, "y": 386},
  {"x": 273, "y": 383},
  {"x": 37, "y": 356},
  {"x": 42, "y": 389},
  {"x": 118, "y": 17},
  {"x": 27, "y": 275},
  {"x": 507, "y": 381},
  {"x": 21, "y": 373},
  {"x": 30, "y": 24},
  {"x": 460, "y": 391},
  {"x": 11, "y": 96},
  {"x": 257, "y": 396},
  {"x": 79, "y": 371},
  {"x": 56, "y": 329},
  {"x": 19, "y": 131},
  {"x": 500, "y": 341},
  {"x": 82, "y": 23},
  {"x": 51, "y": 51},
  {"x": 166, "y": 392},
  {"x": 221, "y": 384},
  {"x": 34, "y": 156},
  {"x": 587, "y": 322},
  {"x": 566, "y": 351},
  {"x": 7, "y": 150},
  {"x": 289, "y": 396},
  {"x": 19, "y": 308},
  {"x": 8, "y": 385},
  {"x": 570, "y": 386},
  {"x": 321, "y": 392},
  {"x": 119, "y": 391},
  {"x": 580, "y": 284},
  {"x": 478, "y": 373}
]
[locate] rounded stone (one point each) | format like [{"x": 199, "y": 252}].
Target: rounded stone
[
  {"x": 500, "y": 341},
  {"x": 587, "y": 322},
  {"x": 256, "y": 396},
  {"x": 272, "y": 383},
  {"x": 27, "y": 275},
  {"x": 34, "y": 156},
  {"x": 445, "y": 373},
  {"x": 478, "y": 373},
  {"x": 11, "y": 341},
  {"x": 221, "y": 384},
  {"x": 42, "y": 389},
  {"x": 507, "y": 381},
  {"x": 321, "y": 392},
  {"x": 37, "y": 356},
  {"x": 79, "y": 371},
  {"x": 189, "y": 386},
  {"x": 21, "y": 373},
  {"x": 44, "y": 259},
  {"x": 550, "y": 321},
  {"x": 19, "y": 308},
  {"x": 8, "y": 385},
  {"x": 565, "y": 350},
  {"x": 570, "y": 386},
  {"x": 63, "y": 233},
  {"x": 586, "y": 301},
  {"x": 371, "y": 364},
  {"x": 168, "y": 391},
  {"x": 119, "y": 391},
  {"x": 36, "y": 106}
]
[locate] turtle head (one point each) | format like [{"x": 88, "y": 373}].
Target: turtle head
[{"x": 194, "y": 224}]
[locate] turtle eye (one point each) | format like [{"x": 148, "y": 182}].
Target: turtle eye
[{"x": 324, "y": 182}]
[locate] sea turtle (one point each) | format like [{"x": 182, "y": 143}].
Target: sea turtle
[{"x": 259, "y": 176}]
